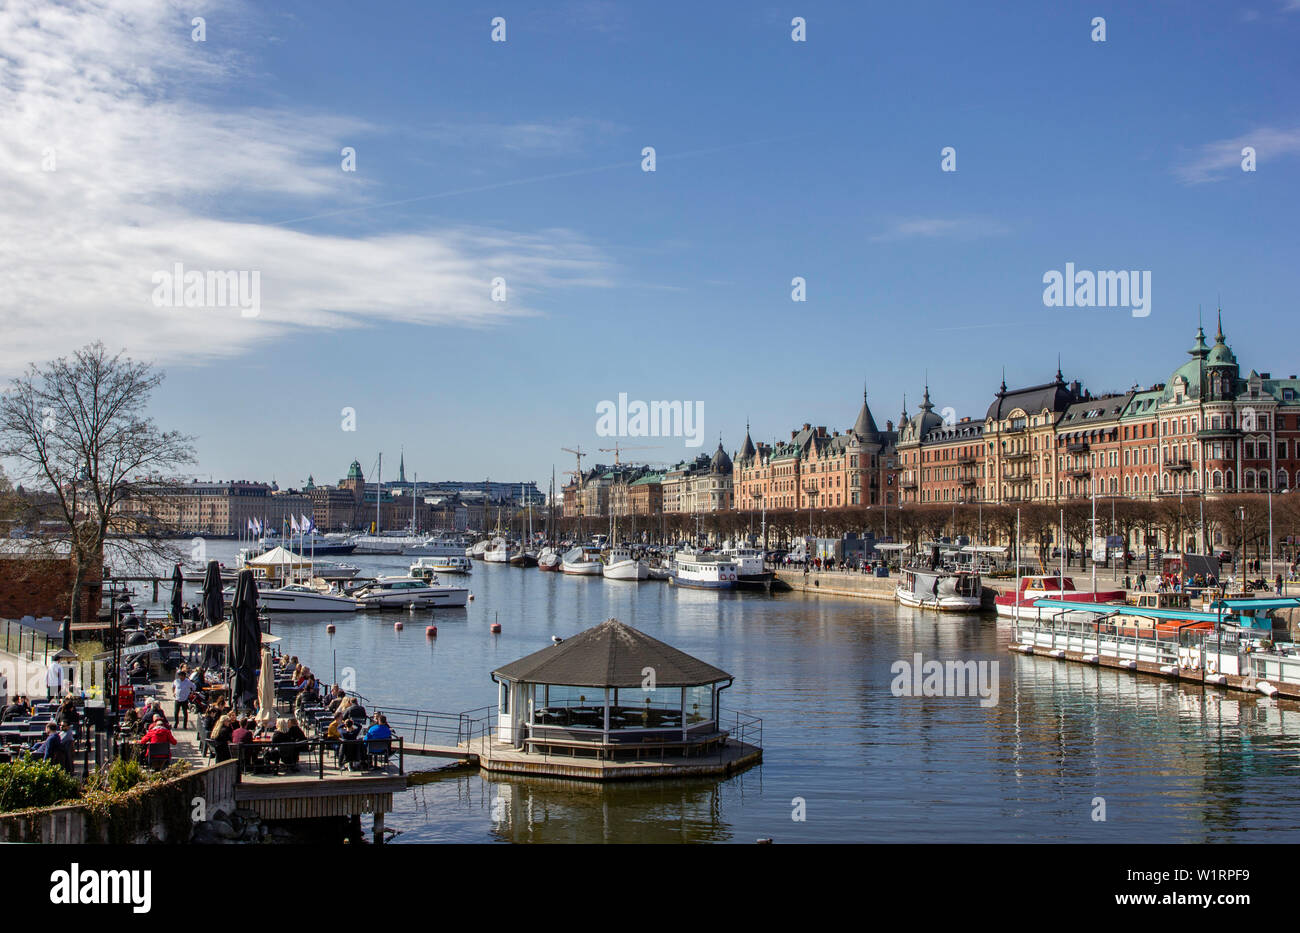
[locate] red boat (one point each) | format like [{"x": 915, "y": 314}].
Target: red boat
[{"x": 1047, "y": 587}]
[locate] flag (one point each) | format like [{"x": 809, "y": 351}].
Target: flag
[
  {"x": 257, "y": 522},
  {"x": 293, "y": 524},
  {"x": 307, "y": 525},
  {"x": 250, "y": 526}
]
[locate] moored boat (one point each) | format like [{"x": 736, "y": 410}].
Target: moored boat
[
  {"x": 426, "y": 567},
  {"x": 408, "y": 592},
  {"x": 1049, "y": 586},
  {"x": 582, "y": 561},
  {"x": 621, "y": 565},
  {"x": 939, "y": 589},
  {"x": 702, "y": 570}
]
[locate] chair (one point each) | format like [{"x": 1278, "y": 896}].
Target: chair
[
  {"x": 377, "y": 749},
  {"x": 158, "y": 755}
]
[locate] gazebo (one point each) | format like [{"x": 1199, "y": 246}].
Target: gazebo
[{"x": 608, "y": 690}]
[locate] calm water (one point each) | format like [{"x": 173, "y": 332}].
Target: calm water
[{"x": 1172, "y": 762}]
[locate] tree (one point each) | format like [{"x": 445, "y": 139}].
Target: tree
[{"x": 77, "y": 429}]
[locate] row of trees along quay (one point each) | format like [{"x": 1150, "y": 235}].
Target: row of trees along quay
[
  {"x": 1237, "y": 523},
  {"x": 80, "y": 445}
]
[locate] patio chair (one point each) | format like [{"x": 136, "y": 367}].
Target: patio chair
[
  {"x": 158, "y": 755},
  {"x": 379, "y": 749}
]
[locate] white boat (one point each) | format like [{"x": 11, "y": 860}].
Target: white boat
[
  {"x": 427, "y": 567},
  {"x": 1048, "y": 586},
  {"x": 408, "y": 592},
  {"x": 499, "y": 552},
  {"x": 479, "y": 548},
  {"x": 582, "y": 561},
  {"x": 548, "y": 560},
  {"x": 298, "y": 597},
  {"x": 382, "y": 544},
  {"x": 749, "y": 566},
  {"x": 704, "y": 571},
  {"x": 441, "y": 546},
  {"x": 939, "y": 589},
  {"x": 621, "y": 565}
]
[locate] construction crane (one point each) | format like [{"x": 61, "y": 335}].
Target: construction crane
[
  {"x": 617, "y": 449},
  {"x": 577, "y": 452}
]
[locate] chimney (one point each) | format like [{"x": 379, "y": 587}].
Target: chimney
[{"x": 889, "y": 425}]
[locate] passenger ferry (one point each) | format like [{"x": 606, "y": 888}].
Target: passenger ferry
[
  {"x": 749, "y": 566},
  {"x": 409, "y": 592},
  {"x": 1049, "y": 586},
  {"x": 440, "y": 546},
  {"x": 703, "y": 571},
  {"x": 941, "y": 590},
  {"x": 427, "y": 567}
]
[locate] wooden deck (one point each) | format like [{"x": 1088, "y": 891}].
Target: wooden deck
[{"x": 724, "y": 760}]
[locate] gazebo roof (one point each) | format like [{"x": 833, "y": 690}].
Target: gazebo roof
[{"x": 611, "y": 655}]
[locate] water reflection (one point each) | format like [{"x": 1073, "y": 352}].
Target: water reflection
[{"x": 1173, "y": 762}]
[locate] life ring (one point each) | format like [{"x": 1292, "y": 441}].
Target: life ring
[
  {"x": 1211, "y": 665},
  {"x": 1196, "y": 659}
]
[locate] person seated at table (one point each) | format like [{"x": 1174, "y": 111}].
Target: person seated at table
[
  {"x": 154, "y": 712},
  {"x": 52, "y": 748},
  {"x": 357, "y": 712},
  {"x": 350, "y": 744},
  {"x": 18, "y": 709},
  {"x": 131, "y": 725},
  {"x": 336, "y": 697},
  {"x": 158, "y": 735},
  {"x": 68, "y": 712},
  {"x": 378, "y": 735},
  {"x": 284, "y": 747},
  {"x": 222, "y": 733}
]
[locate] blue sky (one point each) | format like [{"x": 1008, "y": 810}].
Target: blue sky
[{"x": 775, "y": 159}]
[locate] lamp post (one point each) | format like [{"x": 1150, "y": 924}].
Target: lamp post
[{"x": 1241, "y": 514}]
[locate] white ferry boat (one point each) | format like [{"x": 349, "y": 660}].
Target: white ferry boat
[
  {"x": 439, "y": 546},
  {"x": 749, "y": 566},
  {"x": 408, "y": 592},
  {"x": 703, "y": 571}
]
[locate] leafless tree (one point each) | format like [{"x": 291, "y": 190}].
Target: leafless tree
[{"x": 77, "y": 431}]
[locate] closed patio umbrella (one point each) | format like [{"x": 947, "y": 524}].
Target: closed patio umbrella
[
  {"x": 214, "y": 603},
  {"x": 266, "y": 690},
  {"x": 245, "y": 640},
  {"x": 178, "y": 598}
]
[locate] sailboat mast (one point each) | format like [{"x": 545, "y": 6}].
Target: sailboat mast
[{"x": 379, "y": 486}]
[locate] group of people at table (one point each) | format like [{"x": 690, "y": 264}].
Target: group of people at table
[{"x": 58, "y": 735}]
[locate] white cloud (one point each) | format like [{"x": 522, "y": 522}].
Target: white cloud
[
  {"x": 148, "y": 173},
  {"x": 1215, "y": 161},
  {"x": 934, "y": 227}
]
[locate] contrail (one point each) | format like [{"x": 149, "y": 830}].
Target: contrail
[{"x": 552, "y": 176}]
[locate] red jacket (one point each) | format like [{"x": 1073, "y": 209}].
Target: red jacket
[{"x": 157, "y": 735}]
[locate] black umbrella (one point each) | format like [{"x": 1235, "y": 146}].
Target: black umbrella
[
  {"x": 245, "y": 640},
  {"x": 178, "y": 584},
  {"x": 214, "y": 604}
]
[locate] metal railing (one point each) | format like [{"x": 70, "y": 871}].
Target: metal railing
[{"x": 31, "y": 643}]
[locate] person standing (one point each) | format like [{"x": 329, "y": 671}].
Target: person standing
[
  {"x": 54, "y": 680},
  {"x": 182, "y": 690}
]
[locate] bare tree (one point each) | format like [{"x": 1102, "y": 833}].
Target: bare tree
[{"x": 76, "y": 428}]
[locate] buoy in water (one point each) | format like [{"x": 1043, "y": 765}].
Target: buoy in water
[
  {"x": 397, "y": 626},
  {"x": 431, "y": 631},
  {"x": 496, "y": 628},
  {"x": 330, "y": 628},
  {"x": 471, "y": 596}
]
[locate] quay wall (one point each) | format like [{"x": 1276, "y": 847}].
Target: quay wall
[
  {"x": 834, "y": 583},
  {"x": 159, "y": 813}
]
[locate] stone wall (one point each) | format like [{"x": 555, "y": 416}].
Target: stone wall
[{"x": 161, "y": 813}]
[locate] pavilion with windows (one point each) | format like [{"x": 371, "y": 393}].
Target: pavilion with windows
[{"x": 610, "y": 691}]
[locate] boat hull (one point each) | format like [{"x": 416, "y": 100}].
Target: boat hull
[
  {"x": 939, "y": 604},
  {"x": 699, "y": 584},
  {"x": 630, "y": 570},
  {"x": 273, "y": 601},
  {"x": 585, "y": 569}
]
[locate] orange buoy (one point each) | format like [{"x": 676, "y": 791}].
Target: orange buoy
[
  {"x": 330, "y": 628},
  {"x": 431, "y": 631},
  {"x": 496, "y": 628},
  {"x": 397, "y": 626}
]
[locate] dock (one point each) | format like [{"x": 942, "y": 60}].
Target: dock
[{"x": 495, "y": 757}]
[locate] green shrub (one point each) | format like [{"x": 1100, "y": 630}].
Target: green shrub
[
  {"x": 121, "y": 775},
  {"x": 34, "y": 782}
]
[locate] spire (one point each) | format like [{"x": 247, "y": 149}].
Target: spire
[
  {"x": 1218, "y": 338},
  {"x": 902, "y": 421},
  {"x": 747, "y": 448},
  {"x": 401, "y": 467},
  {"x": 925, "y": 402},
  {"x": 1002, "y": 390},
  {"x": 865, "y": 426},
  {"x": 1199, "y": 350},
  {"x": 1059, "y": 377}
]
